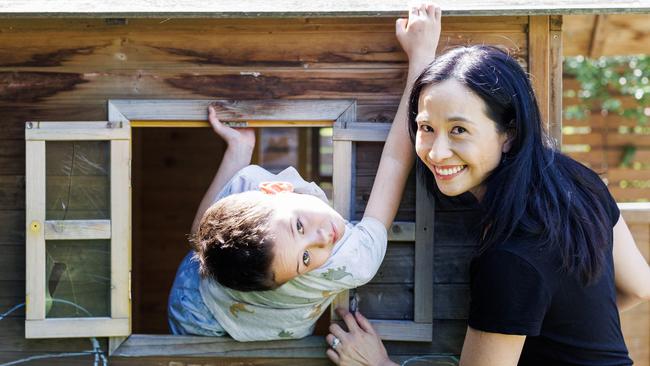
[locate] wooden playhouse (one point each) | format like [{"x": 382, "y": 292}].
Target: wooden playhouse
[{"x": 103, "y": 108}]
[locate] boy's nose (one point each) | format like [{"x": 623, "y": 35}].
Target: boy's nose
[{"x": 324, "y": 235}]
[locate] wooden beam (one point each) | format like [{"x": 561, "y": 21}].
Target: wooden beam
[
  {"x": 141, "y": 345},
  {"x": 343, "y": 183},
  {"x": 34, "y": 231},
  {"x": 555, "y": 88},
  {"x": 238, "y": 124},
  {"x": 76, "y": 327},
  {"x": 77, "y": 229},
  {"x": 400, "y": 330},
  {"x": 598, "y": 36},
  {"x": 539, "y": 63},
  {"x": 635, "y": 212},
  {"x": 424, "y": 244},
  {"x": 299, "y": 8},
  {"x": 77, "y": 130},
  {"x": 157, "y": 110}
]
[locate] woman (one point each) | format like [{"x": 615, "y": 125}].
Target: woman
[{"x": 556, "y": 262}]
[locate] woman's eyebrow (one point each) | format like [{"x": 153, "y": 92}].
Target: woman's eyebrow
[{"x": 459, "y": 119}]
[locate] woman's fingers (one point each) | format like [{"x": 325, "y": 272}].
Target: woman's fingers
[
  {"x": 364, "y": 323},
  {"x": 333, "y": 356},
  {"x": 348, "y": 318},
  {"x": 338, "y": 332}
]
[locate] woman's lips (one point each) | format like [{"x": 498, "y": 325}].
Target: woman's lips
[{"x": 448, "y": 171}]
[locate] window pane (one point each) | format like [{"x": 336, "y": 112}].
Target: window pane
[
  {"x": 278, "y": 148},
  {"x": 78, "y": 281},
  {"x": 326, "y": 152},
  {"x": 78, "y": 180}
]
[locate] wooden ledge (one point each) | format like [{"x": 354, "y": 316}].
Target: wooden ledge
[{"x": 141, "y": 345}]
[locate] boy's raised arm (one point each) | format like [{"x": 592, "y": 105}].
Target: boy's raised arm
[
  {"x": 419, "y": 39},
  {"x": 237, "y": 156}
]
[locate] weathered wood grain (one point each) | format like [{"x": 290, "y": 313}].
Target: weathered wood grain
[
  {"x": 451, "y": 263},
  {"x": 386, "y": 301},
  {"x": 626, "y": 34},
  {"x": 294, "y": 8}
]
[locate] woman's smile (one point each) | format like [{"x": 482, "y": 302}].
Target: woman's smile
[{"x": 447, "y": 172}]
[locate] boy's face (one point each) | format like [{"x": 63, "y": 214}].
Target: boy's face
[{"x": 305, "y": 230}]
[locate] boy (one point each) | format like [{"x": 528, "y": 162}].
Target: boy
[{"x": 271, "y": 254}]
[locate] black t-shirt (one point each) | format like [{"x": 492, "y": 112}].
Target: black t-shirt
[{"x": 519, "y": 287}]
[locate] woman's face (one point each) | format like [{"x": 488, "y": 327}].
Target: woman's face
[{"x": 455, "y": 138}]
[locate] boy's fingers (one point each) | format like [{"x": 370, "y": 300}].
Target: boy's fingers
[
  {"x": 438, "y": 11},
  {"x": 333, "y": 356},
  {"x": 400, "y": 26},
  {"x": 422, "y": 10},
  {"x": 430, "y": 9},
  {"x": 364, "y": 323}
]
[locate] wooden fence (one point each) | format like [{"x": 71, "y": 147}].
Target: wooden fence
[{"x": 618, "y": 148}]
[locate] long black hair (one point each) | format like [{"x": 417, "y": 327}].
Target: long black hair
[{"x": 534, "y": 189}]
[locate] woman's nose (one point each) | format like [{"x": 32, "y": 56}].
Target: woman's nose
[{"x": 440, "y": 150}]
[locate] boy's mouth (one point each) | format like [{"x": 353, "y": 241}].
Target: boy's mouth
[{"x": 335, "y": 234}]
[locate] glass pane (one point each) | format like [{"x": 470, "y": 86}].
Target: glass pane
[
  {"x": 278, "y": 148},
  {"x": 77, "y": 180},
  {"x": 78, "y": 281},
  {"x": 326, "y": 152}
]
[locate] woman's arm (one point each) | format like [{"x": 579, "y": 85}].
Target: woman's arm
[
  {"x": 491, "y": 349},
  {"x": 419, "y": 38},
  {"x": 237, "y": 156},
  {"x": 632, "y": 274}
]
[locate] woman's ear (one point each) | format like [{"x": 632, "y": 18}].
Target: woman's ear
[
  {"x": 510, "y": 138},
  {"x": 275, "y": 187}
]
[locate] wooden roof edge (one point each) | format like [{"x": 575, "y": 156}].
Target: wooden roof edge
[{"x": 297, "y": 8}]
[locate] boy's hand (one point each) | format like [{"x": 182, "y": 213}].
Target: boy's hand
[
  {"x": 419, "y": 34},
  {"x": 235, "y": 138}
]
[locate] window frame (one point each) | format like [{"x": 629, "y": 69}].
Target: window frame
[
  {"x": 420, "y": 329},
  {"x": 340, "y": 114},
  {"x": 38, "y": 229}
]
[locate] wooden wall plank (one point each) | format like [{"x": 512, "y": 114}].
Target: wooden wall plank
[
  {"x": 424, "y": 248},
  {"x": 539, "y": 61}
]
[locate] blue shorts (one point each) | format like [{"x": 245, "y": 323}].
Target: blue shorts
[{"x": 186, "y": 311}]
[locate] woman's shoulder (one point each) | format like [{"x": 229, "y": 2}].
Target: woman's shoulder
[{"x": 590, "y": 181}]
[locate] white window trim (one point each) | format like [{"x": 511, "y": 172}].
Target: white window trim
[{"x": 38, "y": 229}]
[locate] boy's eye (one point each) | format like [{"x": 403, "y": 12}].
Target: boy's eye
[
  {"x": 306, "y": 258},
  {"x": 299, "y": 227},
  {"x": 458, "y": 130}
]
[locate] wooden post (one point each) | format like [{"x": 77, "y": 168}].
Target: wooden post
[{"x": 539, "y": 62}]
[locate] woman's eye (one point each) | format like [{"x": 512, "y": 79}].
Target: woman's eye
[
  {"x": 299, "y": 227},
  {"x": 306, "y": 258},
  {"x": 458, "y": 130},
  {"x": 426, "y": 128}
]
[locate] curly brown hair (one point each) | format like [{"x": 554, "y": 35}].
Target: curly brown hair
[{"x": 233, "y": 244}]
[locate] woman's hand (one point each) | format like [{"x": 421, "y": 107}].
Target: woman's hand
[
  {"x": 419, "y": 34},
  {"x": 235, "y": 138},
  {"x": 359, "y": 346}
]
